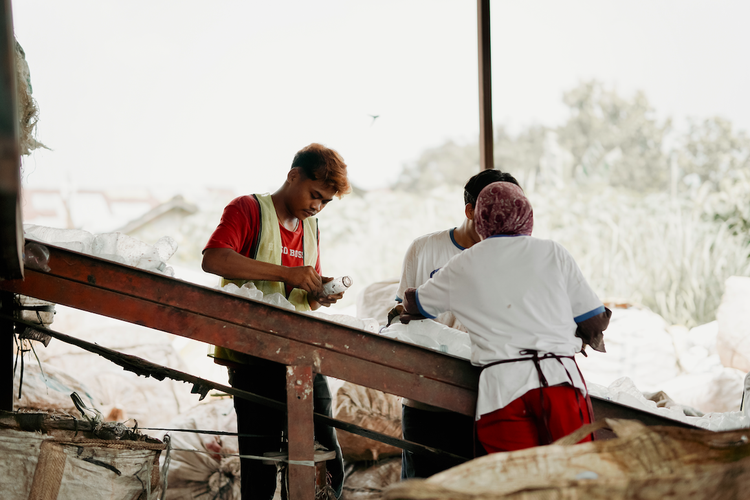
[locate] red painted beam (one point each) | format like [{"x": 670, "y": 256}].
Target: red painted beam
[
  {"x": 299, "y": 397},
  {"x": 214, "y": 317}
]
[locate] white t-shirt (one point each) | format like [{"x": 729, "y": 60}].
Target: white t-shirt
[
  {"x": 514, "y": 293},
  {"x": 425, "y": 256}
]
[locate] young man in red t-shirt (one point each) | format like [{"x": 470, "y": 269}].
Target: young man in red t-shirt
[{"x": 272, "y": 240}]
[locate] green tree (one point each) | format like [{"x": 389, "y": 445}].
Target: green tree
[
  {"x": 614, "y": 138},
  {"x": 607, "y": 138},
  {"x": 448, "y": 164},
  {"x": 520, "y": 155},
  {"x": 712, "y": 160},
  {"x": 712, "y": 150},
  {"x": 453, "y": 164}
]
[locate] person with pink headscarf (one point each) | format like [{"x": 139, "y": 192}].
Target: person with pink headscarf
[{"x": 528, "y": 310}]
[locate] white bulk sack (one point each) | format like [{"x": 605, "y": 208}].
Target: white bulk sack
[{"x": 733, "y": 341}]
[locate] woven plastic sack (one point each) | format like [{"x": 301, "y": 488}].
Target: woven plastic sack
[
  {"x": 366, "y": 481},
  {"x": 433, "y": 335},
  {"x": 373, "y": 410},
  {"x": 643, "y": 463},
  {"x": 733, "y": 315},
  {"x": 44, "y": 467},
  {"x": 375, "y": 300},
  {"x": 207, "y": 471}
]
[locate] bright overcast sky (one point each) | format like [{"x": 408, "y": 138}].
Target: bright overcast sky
[{"x": 224, "y": 92}]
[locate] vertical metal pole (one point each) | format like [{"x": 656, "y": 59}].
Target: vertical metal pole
[
  {"x": 486, "y": 150},
  {"x": 299, "y": 396},
  {"x": 11, "y": 226},
  {"x": 6, "y": 352}
]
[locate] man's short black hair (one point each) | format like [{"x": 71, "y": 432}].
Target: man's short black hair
[{"x": 482, "y": 180}]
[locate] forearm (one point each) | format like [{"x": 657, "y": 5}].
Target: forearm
[
  {"x": 410, "y": 310},
  {"x": 591, "y": 330},
  {"x": 229, "y": 264}
]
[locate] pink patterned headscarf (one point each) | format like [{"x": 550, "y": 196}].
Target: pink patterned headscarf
[{"x": 502, "y": 208}]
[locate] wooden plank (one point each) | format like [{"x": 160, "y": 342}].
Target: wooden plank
[{"x": 486, "y": 144}]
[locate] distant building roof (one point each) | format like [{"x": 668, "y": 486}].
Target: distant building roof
[
  {"x": 177, "y": 203},
  {"x": 96, "y": 211}
]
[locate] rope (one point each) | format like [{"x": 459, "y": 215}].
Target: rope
[
  {"x": 307, "y": 463},
  {"x": 202, "y": 431},
  {"x": 165, "y": 467}
]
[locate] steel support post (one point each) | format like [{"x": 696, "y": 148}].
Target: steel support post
[
  {"x": 486, "y": 136},
  {"x": 299, "y": 395},
  {"x": 6, "y": 352},
  {"x": 11, "y": 226}
]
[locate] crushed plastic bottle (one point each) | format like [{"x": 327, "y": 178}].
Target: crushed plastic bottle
[
  {"x": 76, "y": 240},
  {"x": 36, "y": 256},
  {"x": 117, "y": 247},
  {"x": 745, "y": 402},
  {"x": 250, "y": 291},
  {"x": 338, "y": 285},
  {"x": 166, "y": 247},
  {"x": 276, "y": 299}
]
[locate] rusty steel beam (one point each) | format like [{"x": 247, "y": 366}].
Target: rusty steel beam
[
  {"x": 6, "y": 351},
  {"x": 218, "y": 318},
  {"x": 486, "y": 144},
  {"x": 611, "y": 409},
  {"x": 299, "y": 397}
]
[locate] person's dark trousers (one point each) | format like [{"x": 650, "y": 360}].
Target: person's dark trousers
[
  {"x": 447, "y": 431},
  {"x": 265, "y": 426},
  {"x": 326, "y": 435}
]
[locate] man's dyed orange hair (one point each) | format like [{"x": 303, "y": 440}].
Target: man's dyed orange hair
[{"x": 321, "y": 163}]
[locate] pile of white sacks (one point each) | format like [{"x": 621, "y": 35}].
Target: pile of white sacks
[{"x": 698, "y": 369}]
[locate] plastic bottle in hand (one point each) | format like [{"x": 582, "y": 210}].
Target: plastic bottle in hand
[{"x": 337, "y": 286}]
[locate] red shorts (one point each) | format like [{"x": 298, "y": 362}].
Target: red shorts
[{"x": 520, "y": 425}]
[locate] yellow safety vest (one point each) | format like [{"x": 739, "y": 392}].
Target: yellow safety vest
[{"x": 268, "y": 249}]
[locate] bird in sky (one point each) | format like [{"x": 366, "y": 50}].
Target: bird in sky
[{"x": 374, "y": 117}]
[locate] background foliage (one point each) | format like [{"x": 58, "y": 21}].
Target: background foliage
[{"x": 653, "y": 215}]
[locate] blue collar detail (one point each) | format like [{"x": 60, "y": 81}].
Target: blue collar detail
[{"x": 454, "y": 240}]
